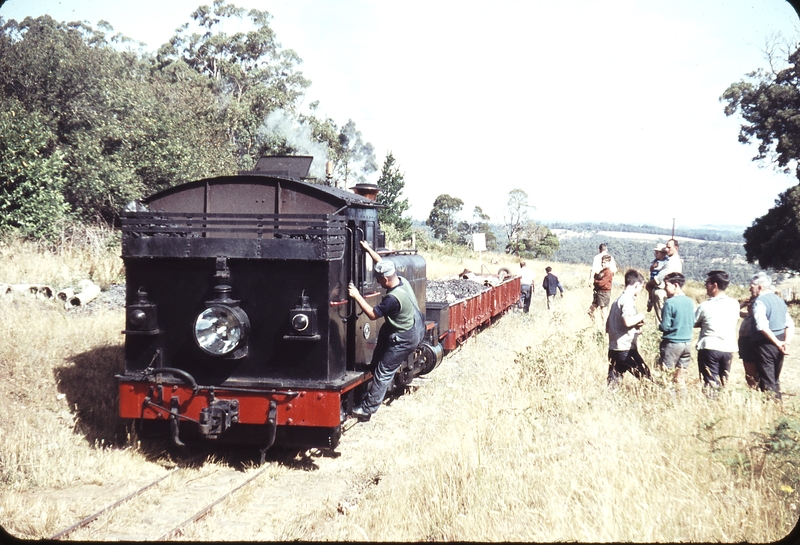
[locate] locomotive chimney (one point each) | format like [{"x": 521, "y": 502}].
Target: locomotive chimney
[
  {"x": 369, "y": 191},
  {"x": 329, "y": 173}
]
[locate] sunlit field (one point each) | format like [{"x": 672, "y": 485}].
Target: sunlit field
[{"x": 514, "y": 438}]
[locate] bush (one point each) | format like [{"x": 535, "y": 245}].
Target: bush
[{"x": 31, "y": 197}]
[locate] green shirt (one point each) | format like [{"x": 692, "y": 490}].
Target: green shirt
[{"x": 677, "y": 319}]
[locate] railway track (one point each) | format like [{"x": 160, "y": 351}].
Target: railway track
[{"x": 164, "y": 508}]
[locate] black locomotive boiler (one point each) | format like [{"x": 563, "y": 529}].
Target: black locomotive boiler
[{"x": 238, "y": 324}]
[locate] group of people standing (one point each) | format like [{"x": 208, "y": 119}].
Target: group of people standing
[{"x": 763, "y": 336}]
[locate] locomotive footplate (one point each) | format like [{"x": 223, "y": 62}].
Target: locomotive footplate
[{"x": 216, "y": 409}]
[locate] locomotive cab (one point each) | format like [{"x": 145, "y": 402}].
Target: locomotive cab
[{"x": 238, "y": 324}]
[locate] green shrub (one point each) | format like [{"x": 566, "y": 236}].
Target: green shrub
[{"x": 31, "y": 197}]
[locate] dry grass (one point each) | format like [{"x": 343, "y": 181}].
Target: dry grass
[
  {"x": 514, "y": 438},
  {"x": 92, "y": 254},
  {"x": 58, "y": 415},
  {"x": 526, "y": 444}
]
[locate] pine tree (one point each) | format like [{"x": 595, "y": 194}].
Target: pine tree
[{"x": 391, "y": 183}]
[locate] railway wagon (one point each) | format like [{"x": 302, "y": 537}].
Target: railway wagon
[{"x": 459, "y": 320}]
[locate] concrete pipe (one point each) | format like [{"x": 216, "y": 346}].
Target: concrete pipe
[
  {"x": 20, "y": 288},
  {"x": 66, "y": 294},
  {"x": 87, "y": 295},
  {"x": 44, "y": 292}
]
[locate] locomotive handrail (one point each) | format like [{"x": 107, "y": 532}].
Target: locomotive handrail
[
  {"x": 351, "y": 306},
  {"x": 134, "y": 223},
  {"x": 255, "y": 235},
  {"x": 256, "y": 229},
  {"x": 223, "y": 215},
  {"x": 360, "y": 267},
  {"x": 197, "y": 388}
]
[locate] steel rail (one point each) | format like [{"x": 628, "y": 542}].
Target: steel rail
[
  {"x": 178, "y": 530},
  {"x": 88, "y": 520}
]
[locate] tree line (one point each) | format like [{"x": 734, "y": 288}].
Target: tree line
[
  {"x": 518, "y": 234},
  {"x": 698, "y": 257},
  {"x": 711, "y": 235},
  {"x": 88, "y": 123}
]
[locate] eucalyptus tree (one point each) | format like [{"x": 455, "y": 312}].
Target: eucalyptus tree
[
  {"x": 249, "y": 73},
  {"x": 121, "y": 129},
  {"x": 526, "y": 238},
  {"x": 442, "y": 219}
]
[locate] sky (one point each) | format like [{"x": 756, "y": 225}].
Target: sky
[{"x": 600, "y": 110}]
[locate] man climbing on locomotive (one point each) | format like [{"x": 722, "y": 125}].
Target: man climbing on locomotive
[{"x": 402, "y": 331}]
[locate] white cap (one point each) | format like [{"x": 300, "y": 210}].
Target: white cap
[{"x": 384, "y": 268}]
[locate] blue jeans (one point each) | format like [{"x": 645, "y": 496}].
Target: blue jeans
[{"x": 392, "y": 349}]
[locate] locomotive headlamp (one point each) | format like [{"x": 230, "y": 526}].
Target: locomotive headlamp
[{"x": 223, "y": 327}]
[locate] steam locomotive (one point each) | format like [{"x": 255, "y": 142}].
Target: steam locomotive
[{"x": 238, "y": 325}]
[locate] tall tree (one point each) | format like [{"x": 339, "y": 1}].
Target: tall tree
[
  {"x": 122, "y": 130},
  {"x": 515, "y": 218},
  {"x": 353, "y": 159},
  {"x": 526, "y": 238},
  {"x": 392, "y": 182},
  {"x": 774, "y": 239},
  {"x": 442, "y": 219},
  {"x": 769, "y": 103},
  {"x": 249, "y": 72}
]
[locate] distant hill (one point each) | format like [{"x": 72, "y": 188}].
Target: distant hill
[
  {"x": 702, "y": 249},
  {"x": 703, "y": 233}
]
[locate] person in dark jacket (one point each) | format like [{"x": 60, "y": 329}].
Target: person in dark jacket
[{"x": 551, "y": 285}]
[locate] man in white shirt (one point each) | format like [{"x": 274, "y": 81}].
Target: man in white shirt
[
  {"x": 526, "y": 286},
  {"x": 716, "y": 317},
  {"x": 674, "y": 264},
  {"x": 771, "y": 332},
  {"x": 623, "y": 327},
  {"x": 597, "y": 263}
]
